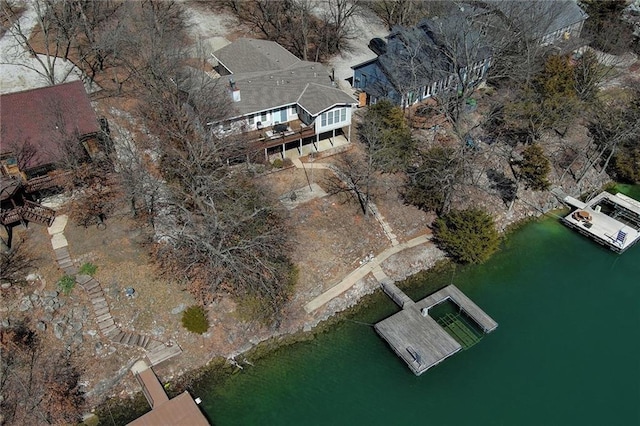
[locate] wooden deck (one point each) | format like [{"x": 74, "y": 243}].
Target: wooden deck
[
  {"x": 151, "y": 387},
  {"x": 397, "y": 295},
  {"x": 416, "y": 337},
  {"x": 268, "y": 138},
  {"x": 181, "y": 410},
  {"x": 418, "y": 340}
]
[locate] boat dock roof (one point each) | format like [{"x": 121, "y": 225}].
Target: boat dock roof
[
  {"x": 611, "y": 220},
  {"x": 416, "y": 337}
]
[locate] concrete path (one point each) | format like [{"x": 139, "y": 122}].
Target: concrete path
[
  {"x": 362, "y": 271},
  {"x": 374, "y": 264},
  {"x": 388, "y": 231}
]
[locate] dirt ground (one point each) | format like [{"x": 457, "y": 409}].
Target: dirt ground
[{"x": 331, "y": 239}]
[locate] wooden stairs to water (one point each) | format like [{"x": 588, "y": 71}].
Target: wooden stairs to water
[
  {"x": 157, "y": 351},
  {"x": 107, "y": 325}
]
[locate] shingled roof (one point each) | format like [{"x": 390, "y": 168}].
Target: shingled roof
[
  {"x": 546, "y": 16},
  {"x": 41, "y": 117},
  {"x": 426, "y": 53},
  {"x": 251, "y": 55},
  {"x": 270, "y": 78}
]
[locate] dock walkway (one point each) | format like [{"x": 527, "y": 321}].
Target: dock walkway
[
  {"x": 416, "y": 337},
  {"x": 397, "y": 295},
  {"x": 452, "y": 293},
  {"x": 567, "y": 199},
  {"x": 181, "y": 410}
]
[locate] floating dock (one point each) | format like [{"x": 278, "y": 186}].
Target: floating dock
[
  {"x": 610, "y": 220},
  {"x": 420, "y": 340}
]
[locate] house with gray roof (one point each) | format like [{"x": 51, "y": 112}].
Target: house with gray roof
[
  {"x": 547, "y": 21},
  {"x": 287, "y": 106}
]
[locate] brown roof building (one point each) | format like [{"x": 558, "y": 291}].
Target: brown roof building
[
  {"x": 35, "y": 124},
  {"x": 179, "y": 411}
]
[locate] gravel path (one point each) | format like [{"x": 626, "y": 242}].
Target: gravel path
[{"x": 19, "y": 70}]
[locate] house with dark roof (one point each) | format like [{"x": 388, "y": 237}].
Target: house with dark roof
[
  {"x": 287, "y": 106},
  {"x": 444, "y": 55},
  {"x": 434, "y": 57},
  {"x": 38, "y": 127}
]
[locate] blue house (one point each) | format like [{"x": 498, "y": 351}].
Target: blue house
[
  {"x": 448, "y": 55},
  {"x": 435, "y": 57}
]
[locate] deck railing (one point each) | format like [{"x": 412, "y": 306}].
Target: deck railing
[
  {"x": 31, "y": 212},
  {"x": 268, "y": 140},
  {"x": 44, "y": 182}
]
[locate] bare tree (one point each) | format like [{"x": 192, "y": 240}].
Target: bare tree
[
  {"x": 52, "y": 31},
  {"x": 613, "y": 125},
  {"x": 36, "y": 388},
  {"x": 216, "y": 227},
  {"x": 516, "y": 30},
  {"x": 15, "y": 262},
  {"x": 338, "y": 17},
  {"x": 354, "y": 176},
  {"x": 301, "y": 26},
  {"x": 99, "y": 32},
  {"x": 432, "y": 183},
  {"x": 407, "y": 12},
  {"x": 228, "y": 236}
]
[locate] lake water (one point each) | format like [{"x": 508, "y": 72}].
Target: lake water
[{"x": 566, "y": 352}]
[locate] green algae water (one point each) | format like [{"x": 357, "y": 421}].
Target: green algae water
[{"x": 566, "y": 352}]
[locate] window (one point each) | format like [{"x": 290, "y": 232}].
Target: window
[
  {"x": 293, "y": 110},
  {"x": 263, "y": 116},
  {"x": 252, "y": 119},
  {"x": 283, "y": 115},
  {"x": 324, "y": 119},
  {"x": 343, "y": 114},
  {"x": 330, "y": 118}
]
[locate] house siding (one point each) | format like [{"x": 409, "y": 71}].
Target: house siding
[
  {"x": 467, "y": 75},
  {"x": 327, "y": 120},
  {"x": 271, "y": 117}
]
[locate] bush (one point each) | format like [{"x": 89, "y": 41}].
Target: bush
[
  {"x": 534, "y": 168},
  {"x": 468, "y": 236},
  {"x": 194, "y": 319},
  {"x": 66, "y": 284},
  {"x": 277, "y": 163},
  {"x": 88, "y": 269}
]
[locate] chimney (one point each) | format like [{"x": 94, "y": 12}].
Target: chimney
[{"x": 235, "y": 92}]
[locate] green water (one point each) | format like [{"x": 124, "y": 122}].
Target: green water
[{"x": 566, "y": 352}]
